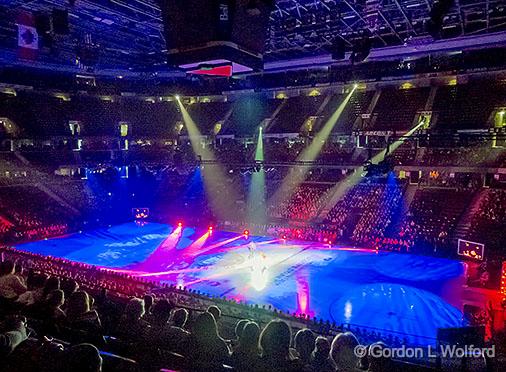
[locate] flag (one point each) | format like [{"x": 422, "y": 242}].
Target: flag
[{"x": 28, "y": 37}]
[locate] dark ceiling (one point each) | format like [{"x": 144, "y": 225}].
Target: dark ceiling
[{"x": 128, "y": 33}]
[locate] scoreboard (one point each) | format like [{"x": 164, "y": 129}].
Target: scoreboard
[
  {"x": 140, "y": 213},
  {"x": 471, "y": 249},
  {"x": 216, "y": 37}
]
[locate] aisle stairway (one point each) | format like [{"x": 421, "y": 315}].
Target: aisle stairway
[
  {"x": 430, "y": 100},
  {"x": 270, "y": 121},
  {"x": 44, "y": 189},
  {"x": 58, "y": 199},
  {"x": 337, "y": 192},
  {"x": 319, "y": 124},
  {"x": 465, "y": 223},
  {"x": 21, "y": 158}
]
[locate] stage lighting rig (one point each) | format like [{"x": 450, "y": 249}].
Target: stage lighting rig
[
  {"x": 378, "y": 170},
  {"x": 259, "y": 166}
]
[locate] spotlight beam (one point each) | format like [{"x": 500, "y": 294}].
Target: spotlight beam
[
  {"x": 297, "y": 175},
  {"x": 314, "y": 149},
  {"x": 394, "y": 146},
  {"x": 256, "y": 195},
  {"x": 163, "y": 253},
  {"x": 222, "y": 196},
  {"x": 341, "y": 188},
  {"x": 211, "y": 247},
  {"x": 193, "y": 249},
  {"x": 171, "y": 272}
]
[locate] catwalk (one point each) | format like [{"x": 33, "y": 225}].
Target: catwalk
[{"x": 412, "y": 295}]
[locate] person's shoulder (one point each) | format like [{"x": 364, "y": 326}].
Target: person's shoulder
[
  {"x": 91, "y": 315},
  {"x": 222, "y": 345},
  {"x": 281, "y": 365},
  {"x": 11, "y": 278},
  {"x": 179, "y": 331},
  {"x": 60, "y": 313},
  {"x": 144, "y": 323},
  {"x": 295, "y": 365}
]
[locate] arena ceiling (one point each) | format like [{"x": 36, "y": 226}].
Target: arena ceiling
[{"x": 129, "y": 34}]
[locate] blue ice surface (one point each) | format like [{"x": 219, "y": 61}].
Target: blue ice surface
[{"x": 402, "y": 293}]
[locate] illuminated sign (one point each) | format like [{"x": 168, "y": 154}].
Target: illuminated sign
[
  {"x": 471, "y": 249},
  {"x": 140, "y": 213}
]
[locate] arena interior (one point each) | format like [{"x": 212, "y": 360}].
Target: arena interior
[{"x": 252, "y": 185}]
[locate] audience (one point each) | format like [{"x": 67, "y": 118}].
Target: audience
[
  {"x": 369, "y": 214},
  {"x": 52, "y": 284},
  {"x": 148, "y": 305},
  {"x": 165, "y": 335},
  {"x": 303, "y": 204}
]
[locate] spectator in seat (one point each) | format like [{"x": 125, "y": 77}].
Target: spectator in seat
[
  {"x": 161, "y": 313},
  {"x": 54, "y": 301},
  {"x": 110, "y": 311},
  {"x": 238, "y": 330},
  {"x": 11, "y": 285},
  {"x": 275, "y": 344},
  {"x": 179, "y": 318},
  {"x": 50, "y": 312},
  {"x": 246, "y": 356},
  {"x": 304, "y": 344},
  {"x": 80, "y": 315},
  {"x": 215, "y": 312},
  {"x": 82, "y": 358},
  {"x": 131, "y": 325},
  {"x": 52, "y": 283},
  {"x": 11, "y": 336},
  {"x": 342, "y": 352},
  {"x": 159, "y": 323},
  {"x": 378, "y": 364},
  {"x": 148, "y": 307},
  {"x": 69, "y": 286},
  {"x": 208, "y": 350},
  {"x": 35, "y": 284},
  {"x": 320, "y": 359},
  {"x": 178, "y": 338}
]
